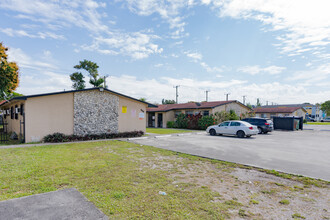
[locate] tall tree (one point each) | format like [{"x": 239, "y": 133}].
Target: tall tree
[
  {"x": 167, "y": 101},
  {"x": 91, "y": 68},
  {"x": 9, "y": 74},
  {"x": 78, "y": 80},
  {"x": 326, "y": 107}
]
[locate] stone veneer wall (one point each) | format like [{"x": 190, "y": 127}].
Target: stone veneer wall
[{"x": 95, "y": 112}]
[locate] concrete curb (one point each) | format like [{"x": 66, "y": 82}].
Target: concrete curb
[
  {"x": 138, "y": 138},
  {"x": 162, "y": 136}
]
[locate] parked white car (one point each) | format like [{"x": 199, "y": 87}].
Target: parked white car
[
  {"x": 238, "y": 128},
  {"x": 325, "y": 119}
]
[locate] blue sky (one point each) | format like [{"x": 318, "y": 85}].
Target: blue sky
[{"x": 277, "y": 51}]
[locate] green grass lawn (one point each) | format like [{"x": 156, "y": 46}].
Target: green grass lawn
[
  {"x": 124, "y": 179},
  {"x": 111, "y": 175},
  {"x": 318, "y": 123},
  {"x": 167, "y": 131}
]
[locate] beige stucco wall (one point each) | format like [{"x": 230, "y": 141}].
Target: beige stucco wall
[
  {"x": 14, "y": 124},
  {"x": 238, "y": 108},
  {"x": 167, "y": 116},
  {"x": 130, "y": 121},
  {"x": 48, "y": 114},
  {"x": 298, "y": 113}
]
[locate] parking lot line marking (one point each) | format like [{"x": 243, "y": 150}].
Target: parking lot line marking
[
  {"x": 138, "y": 138},
  {"x": 184, "y": 134},
  {"x": 162, "y": 136},
  {"x": 201, "y": 133}
]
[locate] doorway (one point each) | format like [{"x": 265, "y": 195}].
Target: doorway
[
  {"x": 151, "y": 119},
  {"x": 160, "y": 120}
]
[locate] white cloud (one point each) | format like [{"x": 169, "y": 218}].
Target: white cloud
[
  {"x": 22, "y": 33},
  {"x": 197, "y": 57},
  {"x": 167, "y": 10},
  {"x": 84, "y": 14},
  {"x": 319, "y": 74},
  {"x": 194, "y": 55},
  {"x": 253, "y": 70},
  {"x": 306, "y": 24},
  {"x": 194, "y": 90},
  {"x": 210, "y": 69},
  {"x": 25, "y": 61},
  {"x": 137, "y": 45},
  {"x": 154, "y": 90}
]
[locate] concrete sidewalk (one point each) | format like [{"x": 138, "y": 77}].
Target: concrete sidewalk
[{"x": 61, "y": 204}]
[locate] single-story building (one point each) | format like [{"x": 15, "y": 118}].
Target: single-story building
[
  {"x": 282, "y": 111},
  {"x": 158, "y": 117},
  {"x": 79, "y": 112}
]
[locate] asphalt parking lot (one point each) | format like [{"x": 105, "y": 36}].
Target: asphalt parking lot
[{"x": 304, "y": 152}]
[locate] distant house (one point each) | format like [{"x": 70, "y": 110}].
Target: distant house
[
  {"x": 158, "y": 117},
  {"x": 281, "y": 110},
  {"x": 79, "y": 112}
]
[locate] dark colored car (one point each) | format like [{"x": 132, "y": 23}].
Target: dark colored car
[{"x": 264, "y": 125}]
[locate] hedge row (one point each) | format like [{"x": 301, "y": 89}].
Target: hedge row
[{"x": 59, "y": 137}]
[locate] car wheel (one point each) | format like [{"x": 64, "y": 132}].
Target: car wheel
[
  {"x": 260, "y": 130},
  {"x": 212, "y": 132},
  {"x": 265, "y": 132},
  {"x": 248, "y": 136},
  {"x": 240, "y": 134}
]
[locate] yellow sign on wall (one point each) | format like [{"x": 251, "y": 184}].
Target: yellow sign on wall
[{"x": 124, "y": 109}]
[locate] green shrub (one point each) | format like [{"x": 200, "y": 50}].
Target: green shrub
[
  {"x": 170, "y": 124},
  {"x": 232, "y": 115},
  {"x": 206, "y": 121},
  {"x": 181, "y": 121},
  {"x": 59, "y": 137},
  {"x": 193, "y": 121}
]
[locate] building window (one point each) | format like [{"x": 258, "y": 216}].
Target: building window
[
  {"x": 16, "y": 112},
  {"x": 177, "y": 113},
  {"x": 189, "y": 112},
  {"x": 22, "y": 109},
  {"x": 12, "y": 112},
  {"x": 206, "y": 113},
  {"x": 263, "y": 115}
]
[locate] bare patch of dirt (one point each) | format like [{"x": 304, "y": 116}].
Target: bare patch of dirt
[{"x": 260, "y": 195}]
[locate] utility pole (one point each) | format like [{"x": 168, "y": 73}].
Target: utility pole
[
  {"x": 258, "y": 102},
  {"x": 207, "y": 94},
  {"x": 104, "y": 82},
  {"x": 244, "y": 99},
  {"x": 266, "y": 102},
  {"x": 177, "y": 95},
  {"x": 227, "y": 94}
]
